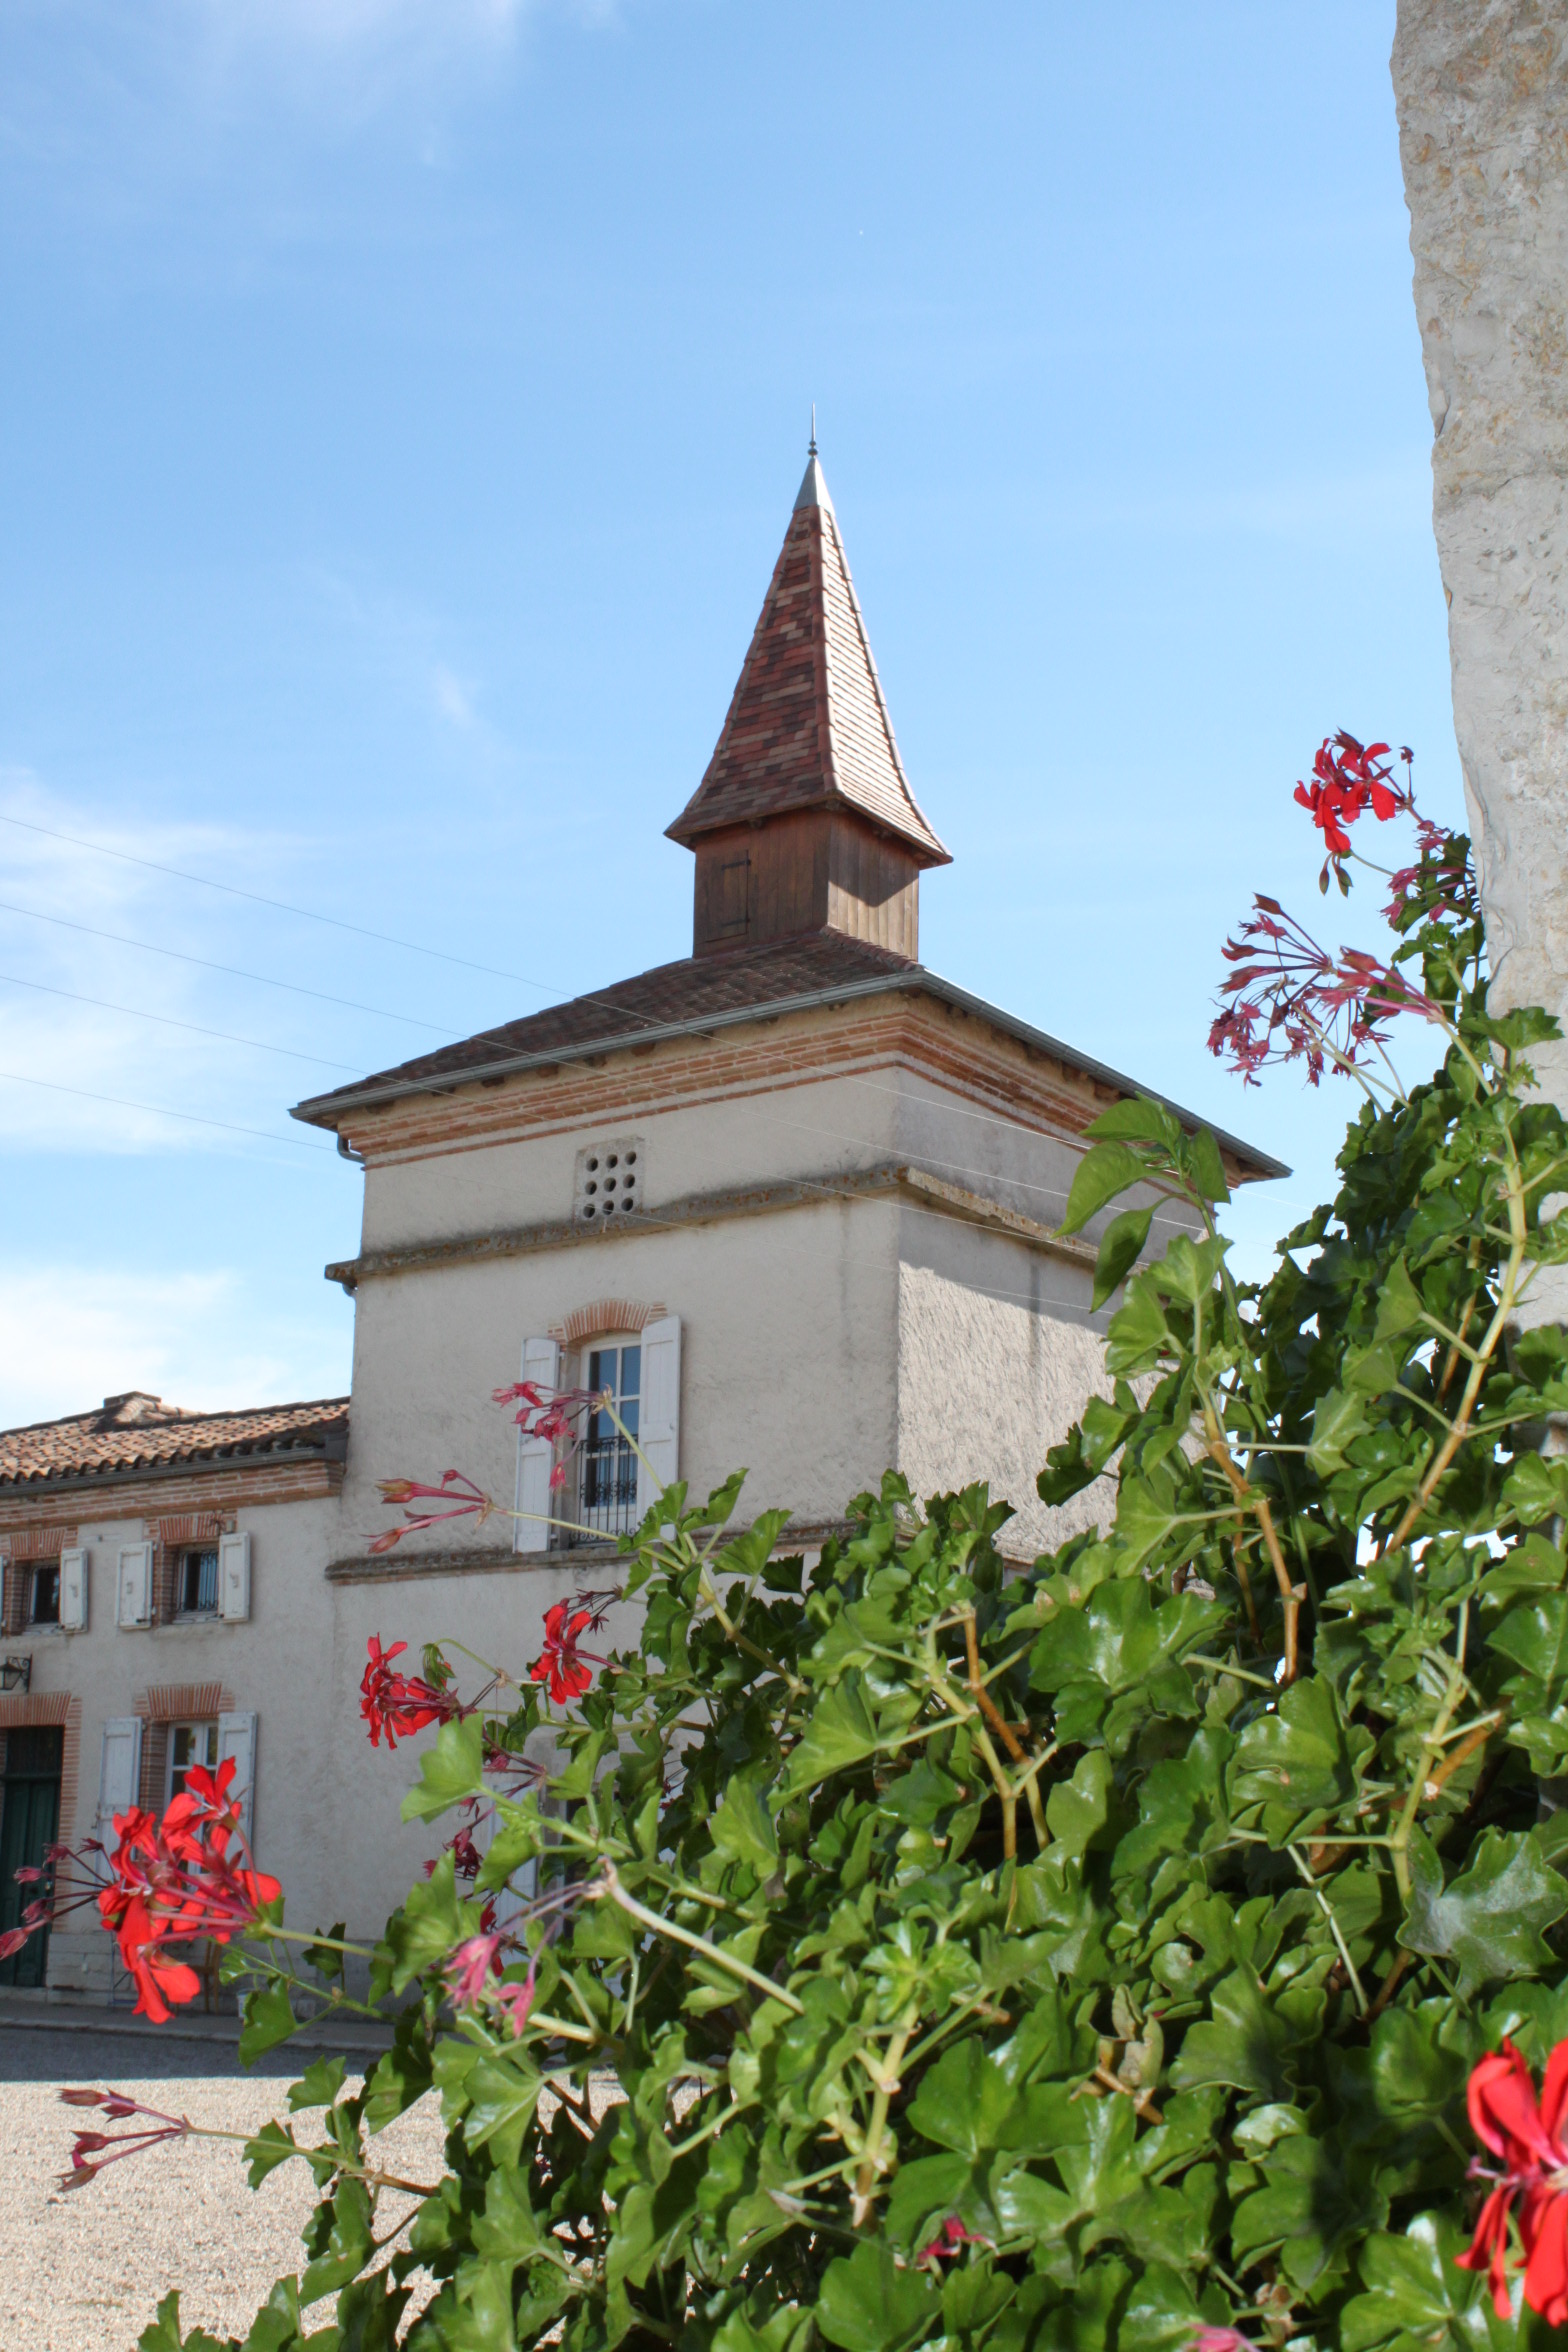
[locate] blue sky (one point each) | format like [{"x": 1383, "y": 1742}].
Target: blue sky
[{"x": 403, "y": 406}]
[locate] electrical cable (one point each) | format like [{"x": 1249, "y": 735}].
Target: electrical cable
[
  {"x": 157, "y": 1110},
  {"x": 166, "y": 1020},
  {"x": 234, "y": 972},
  {"x": 284, "y": 906}
]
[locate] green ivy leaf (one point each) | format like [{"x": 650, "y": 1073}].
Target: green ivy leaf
[
  {"x": 867, "y": 2304},
  {"x": 268, "y": 2020},
  {"x": 1078, "y": 1809},
  {"x": 1490, "y": 1919},
  {"x": 1312, "y": 2206},
  {"x": 1338, "y": 1417},
  {"x": 1120, "y": 1246},
  {"x": 1099, "y": 1176},
  {"x": 840, "y": 1733},
  {"x": 319, "y": 2085},
  {"x": 449, "y": 1772},
  {"x": 1295, "y": 1761},
  {"x": 1414, "y": 2290}
]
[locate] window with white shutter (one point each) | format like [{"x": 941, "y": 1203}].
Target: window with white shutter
[
  {"x": 660, "y": 1432},
  {"x": 73, "y": 1591},
  {"x": 536, "y": 1455},
  {"x": 237, "y": 1738},
  {"x": 119, "y": 1772},
  {"x": 135, "y": 1584},
  {"x": 234, "y": 1578}
]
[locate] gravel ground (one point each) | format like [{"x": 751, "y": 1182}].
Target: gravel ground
[{"x": 84, "y": 2272}]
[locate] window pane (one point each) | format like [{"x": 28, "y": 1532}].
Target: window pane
[
  {"x": 199, "y": 1580},
  {"x": 631, "y": 1372},
  {"x": 190, "y": 1744},
  {"x": 46, "y": 1595},
  {"x": 601, "y": 1368}
]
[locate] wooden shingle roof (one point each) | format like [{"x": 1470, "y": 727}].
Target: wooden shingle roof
[{"x": 808, "y": 727}]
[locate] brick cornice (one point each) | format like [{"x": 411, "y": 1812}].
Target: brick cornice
[{"x": 161, "y": 1490}]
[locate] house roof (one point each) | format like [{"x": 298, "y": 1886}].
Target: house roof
[
  {"x": 138, "y": 1433},
  {"x": 808, "y": 726},
  {"x": 704, "y": 993}
]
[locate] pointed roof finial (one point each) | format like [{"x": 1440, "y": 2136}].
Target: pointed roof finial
[
  {"x": 813, "y": 489},
  {"x": 808, "y": 727}
]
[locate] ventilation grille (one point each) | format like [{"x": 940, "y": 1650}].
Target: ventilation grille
[{"x": 609, "y": 1181}]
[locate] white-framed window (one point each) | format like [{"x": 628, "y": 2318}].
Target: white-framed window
[
  {"x": 606, "y": 1461},
  {"x": 196, "y": 1581},
  {"x": 190, "y": 1744},
  {"x": 43, "y": 1592}
]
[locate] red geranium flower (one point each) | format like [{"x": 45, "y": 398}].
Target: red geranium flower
[
  {"x": 1347, "y": 777},
  {"x": 948, "y": 2239},
  {"x": 1528, "y": 2138},
  {"x": 560, "y": 1664},
  {"x": 188, "y": 1875},
  {"x": 398, "y": 1704}
]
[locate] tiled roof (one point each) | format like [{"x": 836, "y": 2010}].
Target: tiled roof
[
  {"x": 818, "y": 969},
  {"x": 808, "y": 727},
  {"x": 735, "y": 980},
  {"x": 140, "y": 1432}
]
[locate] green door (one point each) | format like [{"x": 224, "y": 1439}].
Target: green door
[{"x": 29, "y": 1821}]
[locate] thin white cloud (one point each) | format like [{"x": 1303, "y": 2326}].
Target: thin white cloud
[
  {"x": 454, "y": 700},
  {"x": 84, "y": 1016},
  {"x": 72, "y": 1335}
]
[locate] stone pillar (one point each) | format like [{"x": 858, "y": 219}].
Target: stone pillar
[{"x": 1481, "y": 88}]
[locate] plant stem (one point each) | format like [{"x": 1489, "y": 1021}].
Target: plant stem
[{"x": 610, "y": 1885}]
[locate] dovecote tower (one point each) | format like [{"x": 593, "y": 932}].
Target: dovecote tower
[{"x": 804, "y": 820}]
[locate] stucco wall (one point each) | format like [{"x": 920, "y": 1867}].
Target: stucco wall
[
  {"x": 788, "y": 1356},
  {"x": 274, "y": 1664},
  {"x": 997, "y": 1357}
]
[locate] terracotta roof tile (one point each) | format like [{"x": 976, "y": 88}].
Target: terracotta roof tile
[
  {"x": 808, "y": 726},
  {"x": 733, "y": 980},
  {"x": 136, "y": 1432}
]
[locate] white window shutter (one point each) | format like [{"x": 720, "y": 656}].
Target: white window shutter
[
  {"x": 659, "y": 1433},
  {"x": 73, "y": 1591},
  {"x": 237, "y": 1738},
  {"x": 136, "y": 1584},
  {"x": 234, "y": 1578},
  {"x": 119, "y": 1773},
  {"x": 536, "y": 1456}
]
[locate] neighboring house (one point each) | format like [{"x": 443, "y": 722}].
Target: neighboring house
[
  {"x": 157, "y": 1566},
  {"x": 792, "y": 1199}
]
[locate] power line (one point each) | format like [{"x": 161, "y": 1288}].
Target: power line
[
  {"x": 234, "y": 972},
  {"x": 167, "y": 1021},
  {"x": 157, "y": 1110},
  {"x": 285, "y": 906}
]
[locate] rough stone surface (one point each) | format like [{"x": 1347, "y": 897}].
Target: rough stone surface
[{"x": 1481, "y": 88}]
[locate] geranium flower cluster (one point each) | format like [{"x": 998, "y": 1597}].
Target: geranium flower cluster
[
  {"x": 1291, "y": 999},
  {"x": 1530, "y": 2195},
  {"x": 92, "y": 2150},
  {"x": 463, "y": 1500},
  {"x": 561, "y": 1666},
  {"x": 555, "y": 1414},
  {"x": 165, "y": 1882},
  {"x": 189, "y": 1875},
  {"x": 1347, "y": 778},
  {"x": 396, "y": 1705}
]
